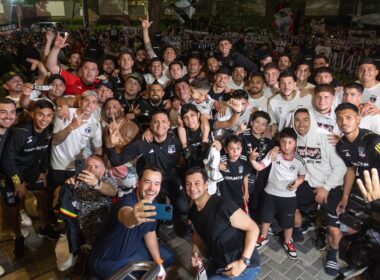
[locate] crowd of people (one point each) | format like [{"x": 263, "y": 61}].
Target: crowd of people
[{"x": 98, "y": 133}]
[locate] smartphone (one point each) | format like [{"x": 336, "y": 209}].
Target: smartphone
[
  {"x": 79, "y": 166},
  {"x": 63, "y": 34},
  {"x": 164, "y": 211},
  {"x": 42, "y": 87},
  {"x": 291, "y": 185}
]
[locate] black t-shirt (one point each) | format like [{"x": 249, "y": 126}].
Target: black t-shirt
[
  {"x": 232, "y": 185},
  {"x": 146, "y": 110},
  {"x": 3, "y": 137},
  {"x": 224, "y": 242},
  {"x": 221, "y": 96},
  {"x": 194, "y": 140},
  {"x": 363, "y": 152}
]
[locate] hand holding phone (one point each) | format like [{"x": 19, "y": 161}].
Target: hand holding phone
[
  {"x": 291, "y": 186},
  {"x": 164, "y": 211}
]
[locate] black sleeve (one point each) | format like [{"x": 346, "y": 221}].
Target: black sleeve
[
  {"x": 14, "y": 144},
  {"x": 129, "y": 153},
  {"x": 373, "y": 150},
  {"x": 227, "y": 208}
]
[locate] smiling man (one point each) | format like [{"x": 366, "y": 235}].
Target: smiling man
[
  {"x": 223, "y": 229},
  {"x": 25, "y": 164},
  {"x": 130, "y": 232}
]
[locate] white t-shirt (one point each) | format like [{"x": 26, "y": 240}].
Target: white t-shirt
[
  {"x": 372, "y": 94},
  {"x": 268, "y": 93},
  {"x": 231, "y": 84},
  {"x": 283, "y": 173},
  {"x": 206, "y": 106},
  {"x": 163, "y": 80},
  {"x": 279, "y": 109},
  {"x": 63, "y": 155},
  {"x": 261, "y": 103},
  {"x": 371, "y": 123}
]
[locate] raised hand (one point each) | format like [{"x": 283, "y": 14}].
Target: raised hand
[
  {"x": 60, "y": 42},
  {"x": 145, "y": 23}
]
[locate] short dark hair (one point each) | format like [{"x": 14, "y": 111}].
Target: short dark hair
[
  {"x": 43, "y": 104},
  {"x": 5, "y": 100},
  {"x": 368, "y": 60},
  {"x": 287, "y": 73},
  {"x": 324, "y": 87},
  {"x": 257, "y": 74},
  {"x": 346, "y": 105},
  {"x": 161, "y": 111},
  {"x": 195, "y": 170},
  {"x": 231, "y": 139},
  {"x": 288, "y": 132},
  {"x": 201, "y": 83},
  {"x": 89, "y": 59},
  {"x": 260, "y": 114},
  {"x": 271, "y": 65},
  {"x": 321, "y": 55},
  {"x": 239, "y": 94},
  {"x": 323, "y": 70},
  {"x": 301, "y": 110},
  {"x": 356, "y": 86},
  {"x": 176, "y": 62},
  {"x": 188, "y": 107},
  {"x": 151, "y": 168}
]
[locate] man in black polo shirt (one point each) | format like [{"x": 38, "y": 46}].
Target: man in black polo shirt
[{"x": 359, "y": 148}]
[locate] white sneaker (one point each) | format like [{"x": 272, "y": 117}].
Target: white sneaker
[
  {"x": 24, "y": 233},
  {"x": 25, "y": 220},
  {"x": 2, "y": 271}
]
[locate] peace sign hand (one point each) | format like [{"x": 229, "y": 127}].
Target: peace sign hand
[
  {"x": 76, "y": 122},
  {"x": 253, "y": 154}
]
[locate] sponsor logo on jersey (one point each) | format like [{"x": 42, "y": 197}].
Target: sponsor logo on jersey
[{"x": 29, "y": 140}]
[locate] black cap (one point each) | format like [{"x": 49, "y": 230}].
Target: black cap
[
  {"x": 55, "y": 77},
  {"x": 10, "y": 75},
  {"x": 105, "y": 83},
  {"x": 135, "y": 76}
]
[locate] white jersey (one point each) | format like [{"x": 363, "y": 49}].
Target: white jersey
[
  {"x": 63, "y": 155},
  {"x": 268, "y": 92},
  {"x": 372, "y": 95},
  {"x": 283, "y": 173},
  {"x": 280, "y": 109},
  {"x": 163, "y": 80},
  {"x": 206, "y": 106},
  {"x": 261, "y": 103},
  {"x": 231, "y": 84},
  {"x": 371, "y": 123},
  {"x": 327, "y": 122}
]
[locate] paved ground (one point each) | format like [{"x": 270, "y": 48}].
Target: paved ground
[{"x": 39, "y": 261}]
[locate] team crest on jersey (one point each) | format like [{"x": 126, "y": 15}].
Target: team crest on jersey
[
  {"x": 373, "y": 98},
  {"x": 241, "y": 169},
  {"x": 87, "y": 129},
  {"x": 361, "y": 152},
  {"x": 292, "y": 167},
  {"x": 171, "y": 149}
]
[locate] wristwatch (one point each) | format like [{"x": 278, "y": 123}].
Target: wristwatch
[{"x": 246, "y": 261}]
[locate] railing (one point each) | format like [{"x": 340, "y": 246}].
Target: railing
[{"x": 151, "y": 269}]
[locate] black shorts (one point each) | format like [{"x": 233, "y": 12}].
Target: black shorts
[
  {"x": 306, "y": 202},
  {"x": 283, "y": 208},
  {"x": 7, "y": 190}
]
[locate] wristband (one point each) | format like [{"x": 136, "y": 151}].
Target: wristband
[{"x": 159, "y": 261}]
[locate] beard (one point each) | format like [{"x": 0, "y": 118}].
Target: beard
[{"x": 155, "y": 99}]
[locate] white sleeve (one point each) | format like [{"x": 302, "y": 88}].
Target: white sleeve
[
  {"x": 59, "y": 124},
  {"x": 266, "y": 161},
  {"x": 97, "y": 140}
]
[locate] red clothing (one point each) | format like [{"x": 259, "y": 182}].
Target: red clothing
[{"x": 74, "y": 84}]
